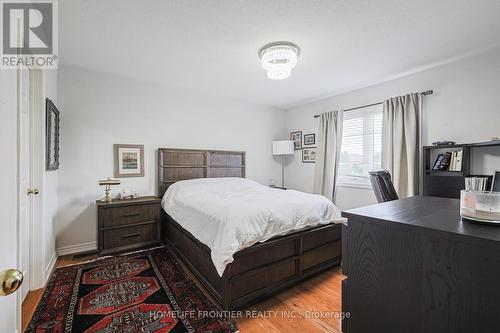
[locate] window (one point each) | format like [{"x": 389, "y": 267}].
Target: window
[{"x": 361, "y": 149}]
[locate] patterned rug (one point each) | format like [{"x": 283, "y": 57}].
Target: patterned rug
[{"x": 142, "y": 292}]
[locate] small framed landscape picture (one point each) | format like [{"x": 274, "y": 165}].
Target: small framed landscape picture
[
  {"x": 309, "y": 139},
  {"x": 309, "y": 155},
  {"x": 129, "y": 160},
  {"x": 296, "y": 137}
]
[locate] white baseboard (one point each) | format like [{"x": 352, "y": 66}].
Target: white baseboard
[
  {"x": 72, "y": 249},
  {"x": 50, "y": 265}
]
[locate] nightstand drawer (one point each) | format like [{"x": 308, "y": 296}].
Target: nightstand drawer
[
  {"x": 120, "y": 216},
  {"x": 126, "y": 236}
]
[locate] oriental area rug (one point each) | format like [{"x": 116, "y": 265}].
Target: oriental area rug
[{"x": 142, "y": 292}]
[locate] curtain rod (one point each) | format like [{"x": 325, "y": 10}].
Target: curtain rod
[{"x": 424, "y": 93}]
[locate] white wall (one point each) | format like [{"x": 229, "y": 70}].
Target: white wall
[
  {"x": 99, "y": 110},
  {"x": 465, "y": 108},
  {"x": 8, "y": 193}
]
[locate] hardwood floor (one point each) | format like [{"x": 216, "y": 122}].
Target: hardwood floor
[
  {"x": 297, "y": 307},
  {"x": 34, "y": 296},
  {"x": 312, "y": 306}
]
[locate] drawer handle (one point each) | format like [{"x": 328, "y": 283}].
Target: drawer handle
[
  {"x": 131, "y": 214},
  {"x": 132, "y": 235}
]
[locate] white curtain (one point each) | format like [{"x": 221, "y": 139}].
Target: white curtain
[
  {"x": 400, "y": 142},
  {"x": 328, "y": 155}
]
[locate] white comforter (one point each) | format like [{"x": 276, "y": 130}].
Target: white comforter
[{"x": 230, "y": 214}]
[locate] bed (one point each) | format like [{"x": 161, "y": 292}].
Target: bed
[{"x": 254, "y": 272}]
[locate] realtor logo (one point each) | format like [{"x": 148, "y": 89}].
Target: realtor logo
[{"x": 29, "y": 34}]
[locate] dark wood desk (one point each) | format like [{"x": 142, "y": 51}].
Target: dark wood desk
[{"x": 413, "y": 266}]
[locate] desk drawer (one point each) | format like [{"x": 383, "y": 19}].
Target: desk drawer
[
  {"x": 130, "y": 235},
  {"x": 120, "y": 216}
]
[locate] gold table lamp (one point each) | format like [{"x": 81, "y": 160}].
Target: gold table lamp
[{"x": 108, "y": 183}]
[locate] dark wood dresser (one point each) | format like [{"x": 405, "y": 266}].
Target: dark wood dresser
[
  {"x": 128, "y": 224},
  {"x": 412, "y": 266}
]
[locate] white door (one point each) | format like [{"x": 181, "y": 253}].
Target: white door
[
  {"x": 25, "y": 198},
  {"x": 10, "y": 304}
]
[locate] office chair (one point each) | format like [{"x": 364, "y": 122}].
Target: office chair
[{"x": 382, "y": 186}]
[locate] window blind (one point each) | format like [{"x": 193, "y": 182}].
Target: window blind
[{"x": 361, "y": 149}]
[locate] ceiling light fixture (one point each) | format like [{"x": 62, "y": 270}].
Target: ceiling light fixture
[{"x": 278, "y": 59}]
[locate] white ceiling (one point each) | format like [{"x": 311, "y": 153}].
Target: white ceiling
[{"x": 211, "y": 46}]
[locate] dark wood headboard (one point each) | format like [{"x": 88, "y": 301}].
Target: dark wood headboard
[{"x": 182, "y": 164}]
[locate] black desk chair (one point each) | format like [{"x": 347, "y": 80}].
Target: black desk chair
[{"x": 383, "y": 186}]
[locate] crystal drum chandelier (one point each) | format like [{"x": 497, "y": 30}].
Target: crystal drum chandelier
[{"x": 278, "y": 59}]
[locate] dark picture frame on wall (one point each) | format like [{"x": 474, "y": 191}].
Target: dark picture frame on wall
[
  {"x": 51, "y": 136},
  {"x": 309, "y": 155},
  {"x": 309, "y": 139},
  {"x": 296, "y": 137}
]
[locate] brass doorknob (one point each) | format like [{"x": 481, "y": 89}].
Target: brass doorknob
[
  {"x": 33, "y": 191},
  {"x": 10, "y": 281}
]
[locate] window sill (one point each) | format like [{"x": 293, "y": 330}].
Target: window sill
[{"x": 354, "y": 185}]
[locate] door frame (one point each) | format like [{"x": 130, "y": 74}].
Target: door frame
[{"x": 37, "y": 272}]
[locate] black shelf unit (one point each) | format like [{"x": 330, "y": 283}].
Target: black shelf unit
[{"x": 448, "y": 184}]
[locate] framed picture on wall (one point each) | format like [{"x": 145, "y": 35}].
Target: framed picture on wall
[
  {"x": 309, "y": 155},
  {"x": 51, "y": 136},
  {"x": 309, "y": 139},
  {"x": 129, "y": 160},
  {"x": 296, "y": 137}
]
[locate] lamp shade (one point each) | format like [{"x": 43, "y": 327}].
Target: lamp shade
[{"x": 283, "y": 147}]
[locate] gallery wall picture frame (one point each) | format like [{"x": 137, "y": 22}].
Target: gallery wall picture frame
[
  {"x": 309, "y": 155},
  {"x": 309, "y": 139},
  {"x": 52, "y": 123},
  {"x": 296, "y": 137},
  {"x": 129, "y": 160}
]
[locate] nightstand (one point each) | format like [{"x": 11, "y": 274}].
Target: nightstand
[{"x": 126, "y": 224}]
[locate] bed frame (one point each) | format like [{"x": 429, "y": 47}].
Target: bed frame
[{"x": 257, "y": 271}]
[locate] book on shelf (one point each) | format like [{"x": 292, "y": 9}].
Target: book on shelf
[
  {"x": 453, "y": 161},
  {"x": 478, "y": 183},
  {"x": 437, "y": 162},
  {"x": 442, "y": 162},
  {"x": 449, "y": 161},
  {"x": 458, "y": 166},
  {"x": 446, "y": 161}
]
